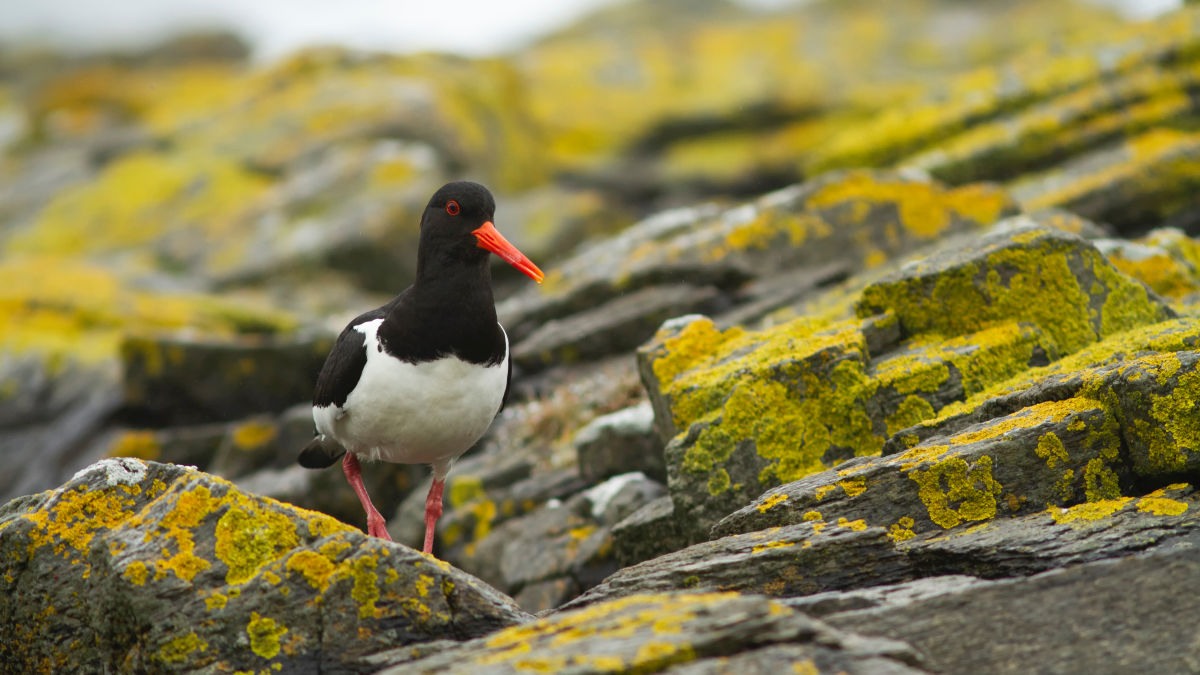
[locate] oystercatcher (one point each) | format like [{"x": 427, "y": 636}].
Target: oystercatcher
[{"x": 420, "y": 379}]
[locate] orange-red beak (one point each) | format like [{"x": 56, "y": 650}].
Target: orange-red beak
[{"x": 491, "y": 239}]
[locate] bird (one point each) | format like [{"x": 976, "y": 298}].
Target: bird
[{"x": 420, "y": 379}]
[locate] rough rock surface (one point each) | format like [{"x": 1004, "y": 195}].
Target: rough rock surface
[
  {"x": 653, "y": 633},
  {"x": 896, "y": 330},
  {"x": 149, "y": 566}
]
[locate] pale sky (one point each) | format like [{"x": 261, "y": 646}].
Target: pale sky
[{"x": 276, "y": 27}]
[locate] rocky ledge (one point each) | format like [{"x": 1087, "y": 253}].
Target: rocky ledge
[{"x": 814, "y": 388}]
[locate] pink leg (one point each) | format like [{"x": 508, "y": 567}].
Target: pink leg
[
  {"x": 433, "y": 511},
  {"x": 376, "y": 525}
]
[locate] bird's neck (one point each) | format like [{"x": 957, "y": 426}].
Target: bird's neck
[{"x": 456, "y": 284}]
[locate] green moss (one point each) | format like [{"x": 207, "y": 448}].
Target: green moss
[
  {"x": 264, "y": 633},
  {"x": 955, "y": 491}
]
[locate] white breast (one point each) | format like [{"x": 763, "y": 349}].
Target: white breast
[{"x": 425, "y": 413}]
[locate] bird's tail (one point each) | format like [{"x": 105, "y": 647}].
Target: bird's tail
[{"x": 320, "y": 453}]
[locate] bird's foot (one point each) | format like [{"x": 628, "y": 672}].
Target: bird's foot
[{"x": 377, "y": 527}]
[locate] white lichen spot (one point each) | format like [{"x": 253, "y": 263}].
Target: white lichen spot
[
  {"x": 602, "y": 494},
  {"x": 117, "y": 471},
  {"x": 631, "y": 421}
]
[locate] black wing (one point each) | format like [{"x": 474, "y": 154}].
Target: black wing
[{"x": 344, "y": 365}]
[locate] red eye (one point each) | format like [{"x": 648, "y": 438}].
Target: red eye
[{"x": 452, "y": 208}]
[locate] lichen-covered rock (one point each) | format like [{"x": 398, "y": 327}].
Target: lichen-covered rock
[
  {"x": 748, "y": 410},
  {"x": 858, "y": 219},
  {"x": 1165, "y": 272},
  {"x": 171, "y": 380},
  {"x": 1059, "y": 537},
  {"x": 1145, "y": 182},
  {"x": 1049, "y": 278},
  {"x": 1148, "y": 92},
  {"x": 993, "y": 122},
  {"x": 798, "y": 559},
  {"x": 135, "y": 566},
  {"x": 1081, "y": 430},
  {"x": 836, "y": 564},
  {"x": 661, "y": 633}
]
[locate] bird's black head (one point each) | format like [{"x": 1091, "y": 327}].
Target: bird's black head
[{"x": 457, "y": 228}]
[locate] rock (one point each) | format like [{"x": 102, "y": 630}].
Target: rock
[
  {"x": 854, "y": 219},
  {"x": 147, "y": 566},
  {"x": 621, "y": 496},
  {"x": 57, "y": 408},
  {"x": 618, "y": 325},
  {"x": 1049, "y": 278},
  {"x": 555, "y": 541},
  {"x": 1062, "y": 621},
  {"x": 1086, "y": 440},
  {"x": 1136, "y": 186},
  {"x": 647, "y": 533},
  {"x": 181, "y": 380},
  {"x": 620, "y": 442},
  {"x": 794, "y": 560},
  {"x": 1167, "y": 274},
  {"x": 651, "y": 633}
]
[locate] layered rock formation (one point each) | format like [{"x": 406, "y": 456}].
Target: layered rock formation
[{"x": 871, "y": 362}]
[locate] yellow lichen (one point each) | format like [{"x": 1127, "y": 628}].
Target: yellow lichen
[
  {"x": 902, "y": 530},
  {"x": 1088, "y": 511},
  {"x": 759, "y": 548},
  {"x": 264, "y": 633},
  {"x": 136, "y": 572},
  {"x": 954, "y": 490},
  {"x": 178, "y": 649},
  {"x": 249, "y": 536},
  {"x": 1051, "y": 449},
  {"x": 771, "y": 502},
  {"x": 253, "y": 435}
]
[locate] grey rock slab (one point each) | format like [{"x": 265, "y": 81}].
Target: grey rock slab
[
  {"x": 662, "y": 633},
  {"x": 1114, "y": 616}
]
